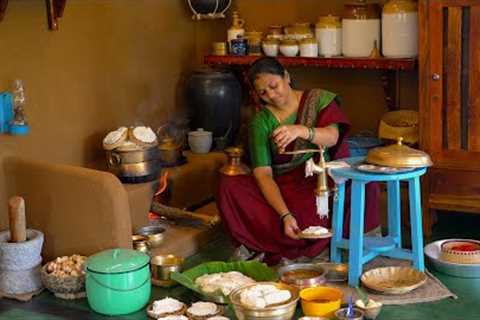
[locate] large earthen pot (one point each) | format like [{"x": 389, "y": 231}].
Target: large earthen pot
[{"x": 214, "y": 98}]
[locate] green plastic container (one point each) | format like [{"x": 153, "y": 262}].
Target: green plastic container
[{"x": 118, "y": 281}]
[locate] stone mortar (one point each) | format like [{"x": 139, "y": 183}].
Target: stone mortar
[
  {"x": 21, "y": 255},
  {"x": 20, "y": 282}
]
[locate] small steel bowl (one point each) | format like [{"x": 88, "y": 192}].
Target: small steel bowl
[
  {"x": 154, "y": 235},
  {"x": 286, "y": 274},
  {"x": 163, "y": 265},
  {"x": 341, "y": 314}
]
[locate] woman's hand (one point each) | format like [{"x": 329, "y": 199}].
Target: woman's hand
[
  {"x": 290, "y": 227},
  {"x": 285, "y": 134}
]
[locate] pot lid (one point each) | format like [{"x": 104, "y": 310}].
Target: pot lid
[
  {"x": 329, "y": 22},
  {"x": 168, "y": 144},
  {"x": 398, "y": 155},
  {"x": 199, "y": 132},
  {"x": 117, "y": 261}
]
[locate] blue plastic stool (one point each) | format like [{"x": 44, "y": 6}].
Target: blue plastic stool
[{"x": 363, "y": 249}]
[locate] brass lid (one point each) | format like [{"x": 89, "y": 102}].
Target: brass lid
[
  {"x": 328, "y": 22},
  {"x": 399, "y": 155},
  {"x": 361, "y": 10},
  {"x": 400, "y": 6}
]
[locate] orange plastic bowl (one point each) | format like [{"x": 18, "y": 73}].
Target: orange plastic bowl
[{"x": 320, "y": 301}]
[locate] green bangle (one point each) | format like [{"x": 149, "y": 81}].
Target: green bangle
[
  {"x": 283, "y": 216},
  {"x": 313, "y": 135}
]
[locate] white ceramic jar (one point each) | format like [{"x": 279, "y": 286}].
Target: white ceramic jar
[
  {"x": 360, "y": 29},
  {"x": 236, "y": 30},
  {"x": 400, "y": 29},
  {"x": 328, "y": 32},
  {"x": 289, "y": 47},
  {"x": 200, "y": 141},
  {"x": 308, "y": 48},
  {"x": 270, "y": 47}
]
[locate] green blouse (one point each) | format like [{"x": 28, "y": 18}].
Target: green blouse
[{"x": 262, "y": 147}]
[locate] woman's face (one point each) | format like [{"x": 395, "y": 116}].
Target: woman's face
[{"x": 273, "y": 89}]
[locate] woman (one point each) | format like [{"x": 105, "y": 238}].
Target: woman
[{"x": 266, "y": 212}]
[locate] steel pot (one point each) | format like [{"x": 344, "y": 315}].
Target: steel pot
[{"x": 120, "y": 156}]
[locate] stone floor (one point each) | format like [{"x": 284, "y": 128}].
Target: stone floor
[{"x": 45, "y": 306}]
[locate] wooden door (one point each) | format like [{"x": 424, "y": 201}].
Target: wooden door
[{"x": 449, "y": 67}]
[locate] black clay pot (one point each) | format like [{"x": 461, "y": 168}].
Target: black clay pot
[
  {"x": 214, "y": 98},
  {"x": 208, "y": 6}
]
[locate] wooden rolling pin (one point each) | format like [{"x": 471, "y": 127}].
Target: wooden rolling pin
[{"x": 16, "y": 218}]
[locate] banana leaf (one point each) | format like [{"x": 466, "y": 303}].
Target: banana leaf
[{"x": 253, "y": 269}]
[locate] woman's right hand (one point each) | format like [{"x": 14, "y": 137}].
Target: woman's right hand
[{"x": 290, "y": 227}]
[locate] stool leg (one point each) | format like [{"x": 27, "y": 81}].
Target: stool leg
[
  {"x": 416, "y": 223},
  {"x": 355, "y": 246},
  {"x": 394, "y": 212},
  {"x": 337, "y": 224}
]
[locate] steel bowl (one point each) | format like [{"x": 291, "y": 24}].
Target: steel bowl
[
  {"x": 292, "y": 274},
  {"x": 154, "y": 235},
  {"x": 282, "y": 311},
  {"x": 341, "y": 314}
]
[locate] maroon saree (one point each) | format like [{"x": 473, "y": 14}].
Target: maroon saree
[{"x": 250, "y": 219}]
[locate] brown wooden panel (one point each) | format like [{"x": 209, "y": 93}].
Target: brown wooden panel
[
  {"x": 452, "y": 3},
  {"x": 474, "y": 80},
  {"x": 453, "y": 66},
  {"x": 435, "y": 72},
  {"x": 465, "y": 183},
  {"x": 453, "y": 159},
  {"x": 423, "y": 75}
]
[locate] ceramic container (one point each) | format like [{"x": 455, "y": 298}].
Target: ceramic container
[
  {"x": 219, "y": 48},
  {"x": 118, "y": 281},
  {"x": 200, "y": 141},
  {"x": 254, "y": 42},
  {"x": 289, "y": 47},
  {"x": 360, "y": 28},
  {"x": 308, "y": 48},
  {"x": 328, "y": 32},
  {"x": 298, "y": 31},
  {"x": 270, "y": 47},
  {"x": 274, "y": 32},
  {"x": 400, "y": 29},
  {"x": 236, "y": 30}
]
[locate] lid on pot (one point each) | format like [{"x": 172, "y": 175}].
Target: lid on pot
[
  {"x": 399, "y": 155},
  {"x": 361, "y": 10},
  {"x": 199, "y": 133},
  {"x": 329, "y": 22},
  {"x": 168, "y": 144},
  {"x": 400, "y": 6},
  {"x": 117, "y": 261}
]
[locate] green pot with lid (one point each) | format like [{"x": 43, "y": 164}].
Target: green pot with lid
[{"x": 118, "y": 281}]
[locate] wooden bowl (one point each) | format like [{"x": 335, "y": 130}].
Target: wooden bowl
[{"x": 393, "y": 280}]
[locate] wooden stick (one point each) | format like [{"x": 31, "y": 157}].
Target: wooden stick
[
  {"x": 301, "y": 151},
  {"x": 16, "y": 215}
]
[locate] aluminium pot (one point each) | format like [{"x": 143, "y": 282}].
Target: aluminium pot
[
  {"x": 118, "y": 281},
  {"x": 134, "y": 165}
]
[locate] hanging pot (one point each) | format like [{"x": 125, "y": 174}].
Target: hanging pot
[{"x": 214, "y": 97}]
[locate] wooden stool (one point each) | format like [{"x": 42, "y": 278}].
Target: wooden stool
[{"x": 363, "y": 249}]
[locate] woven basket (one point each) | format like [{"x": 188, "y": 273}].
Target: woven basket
[
  {"x": 450, "y": 254},
  {"x": 69, "y": 284},
  {"x": 401, "y": 123}
]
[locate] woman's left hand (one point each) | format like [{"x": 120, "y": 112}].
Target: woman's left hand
[{"x": 285, "y": 134}]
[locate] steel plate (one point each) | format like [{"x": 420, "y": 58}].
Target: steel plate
[{"x": 432, "y": 251}]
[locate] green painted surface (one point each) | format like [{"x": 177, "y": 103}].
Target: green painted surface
[{"x": 467, "y": 306}]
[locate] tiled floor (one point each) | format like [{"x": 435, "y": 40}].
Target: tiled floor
[{"x": 451, "y": 225}]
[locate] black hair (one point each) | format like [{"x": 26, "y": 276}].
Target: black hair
[{"x": 265, "y": 65}]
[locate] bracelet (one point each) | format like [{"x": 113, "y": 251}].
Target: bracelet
[
  {"x": 311, "y": 134},
  {"x": 283, "y": 216}
]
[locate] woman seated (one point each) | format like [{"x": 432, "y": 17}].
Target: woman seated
[{"x": 266, "y": 211}]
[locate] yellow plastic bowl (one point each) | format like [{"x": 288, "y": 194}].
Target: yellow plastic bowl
[{"x": 320, "y": 301}]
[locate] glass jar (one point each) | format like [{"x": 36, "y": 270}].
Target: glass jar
[
  {"x": 400, "y": 29},
  {"x": 328, "y": 32},
  {"x": 360, "y": 28}
]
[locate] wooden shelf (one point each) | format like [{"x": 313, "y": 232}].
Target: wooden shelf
[{"x": 337, "y": 62}]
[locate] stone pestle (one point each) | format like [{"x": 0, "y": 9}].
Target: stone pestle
[{"x": 20, "y": 253}]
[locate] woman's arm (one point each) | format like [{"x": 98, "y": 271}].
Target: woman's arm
[
  {"x": 285, "y": 134},
  {"x": 271, "y": 192}
]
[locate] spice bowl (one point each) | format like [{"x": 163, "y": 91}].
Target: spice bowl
[
  {"x": 162, "y": 266},
  {"x": 320, "y": 301},
  {"x": 302, "y": 275},
  {"x": 371, "y": 310}
]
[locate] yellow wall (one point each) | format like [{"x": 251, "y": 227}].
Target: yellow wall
[{"x": 121, "y": 62}]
